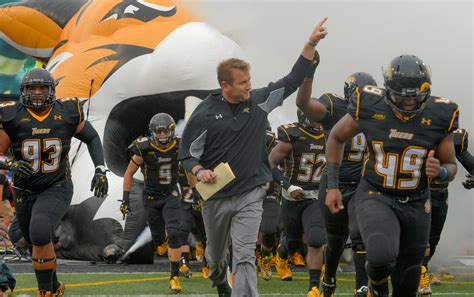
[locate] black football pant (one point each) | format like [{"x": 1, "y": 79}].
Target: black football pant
[
  {"x": 439, "y": 212},
  {"x": 191, "y": 222},
  {"x": 395, "y": 232},
  {"x": 269, "y": 224},
  {"x": 40, "y": 213},
  {"x": 163, "y": 213},
  {"x": 338, "y": 227}
]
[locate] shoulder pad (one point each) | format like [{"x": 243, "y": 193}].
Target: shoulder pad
[
  {"x": 73, "y": 107},
  {"x": 8, "y": 110},
  {"x": 460, "y": 140},
  {"x": 445, "y": 110},
  {"x": 288, "y": 132},
  {"x": 363, "y": 100},
  {"x": 142, "y": 142}
]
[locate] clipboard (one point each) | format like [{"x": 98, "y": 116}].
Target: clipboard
[{"x": 224, "y": 176}]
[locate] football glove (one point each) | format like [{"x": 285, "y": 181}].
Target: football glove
[
  {"x": 99, "y": 183},
  {"x": 19, "y": 168},
  {"x": 125, "y": 205},
  {"x": 469, "y": 182}
]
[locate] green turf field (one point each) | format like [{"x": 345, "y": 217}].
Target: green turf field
[{"x": 156, "y": 284}]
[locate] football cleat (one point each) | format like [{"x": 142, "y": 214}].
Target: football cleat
[
  {"x": 175, "y": 284},
  {"x": 424, "y": 289},
  {"x": 314, "y": 292},
  {"x": 43, "y": 294},
  {"x": 283, "y": 269},
  {"x": 435, "y": 281},
  {"x": 60, "y": 291},
  {"x": 328, "y": 287},
  {"x": 265, "y": 268},
  {"x": 381, "y": 291},
  {"x": 185, "y": 271},
  {"x": 362, "y": 292},
  {"x": 448, "y": 275},
  {"x": 162, "y": 250},
  {"x": 205, "y": 272},
  {"x": 297, "y": 259},
  {"x": 199, "y": 251}
]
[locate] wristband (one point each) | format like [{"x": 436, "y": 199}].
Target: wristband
[
  {"x": 443, "y": 174},
  {"x": 293, "y": 188},
  {"x": 126, "y": 196},
  {"x": 312, "y": 43},
  {"x": 333, "y": 175},
  {"x": 197, "y": 171}
]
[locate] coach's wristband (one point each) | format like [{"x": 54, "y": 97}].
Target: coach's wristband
[
  {"x": 196, "y": 173},
  {"x": 333, "y": 175},
  {"x": 443, "y": 174}
]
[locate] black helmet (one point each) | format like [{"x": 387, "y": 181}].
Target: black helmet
[
  {"x": 162, "y": 122},
  {"x": 358, "y": 79},
  {"x": 407, "y": 77},
  {"x": 306, "y": 123},
  {"x": 112, "y": 253},
  {"x": 37, "y": 77}
]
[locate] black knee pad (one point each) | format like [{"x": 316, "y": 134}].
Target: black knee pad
[
  {"x": 173, "y": 238},
  {"x": 380, "y": 250},
  {"x": 316, "y": 237},
  {"x": 183, "y": 237},
  {"x": 378, "y": 273},
  {"x": 268, "y": 240},
  {"x": 40, "y": 231}
]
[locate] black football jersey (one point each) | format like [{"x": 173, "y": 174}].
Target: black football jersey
[
  {"x": 461, "y": 140},
  {"x": 354, "y": 150},
  {"x": 160, "y": 166},
  {"x": 43, "y": 141},
  {"x": 398, "y": 149},
  {"x": 305, "y": 163}
]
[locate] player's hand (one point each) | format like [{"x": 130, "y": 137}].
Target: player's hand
[
  {"x": 206, "y": 176},
  {"x": 125, "y": 207},
  {"x": 334, "y": 200},
  {"x": 433, "y": 166},
  {"x": 296, "y": 192},
  {"x": 99, "y": 183},
  {"x": 319, "y": 32},
  {"x": 19, "y": 168},
  {"x": 469, "y": 182}
]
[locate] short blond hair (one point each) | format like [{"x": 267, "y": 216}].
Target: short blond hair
[{"x": 224, "y": 69}]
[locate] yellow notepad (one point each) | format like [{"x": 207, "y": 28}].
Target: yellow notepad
[{"x": 224, "y": 176}]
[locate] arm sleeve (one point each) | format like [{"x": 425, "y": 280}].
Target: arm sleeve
[
  {"x": 327, "y": 122},
  {"x": 467, "y": 161},
  {"x": 283, "y": 134},
  {"x": 193, "y": 139},
  {"x": 89, "y": 136},
  {"x": 272, "y": 96}
]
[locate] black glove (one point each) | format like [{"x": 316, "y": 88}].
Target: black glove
[
  {"x": 314, "y": 65},
  {"x": 125, "y": 206},
  {"x": 469, "y": 182},
  {"x": 99, "y": 183},
  {"x": 19, "y": 168}
]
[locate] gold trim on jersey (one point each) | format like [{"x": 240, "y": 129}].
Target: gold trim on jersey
[
  {"x": 332, "y": 104},
  {"x": 166, "y": 149},
  {"x": 38, "y": 117},
  {"x": 463, "y": 138},
  {"x": 312, "y": 135},
  {"x": 357, "y": 104},
  {"x": 79, "y": 110},
  {"x": 286, "y": 133},
  {"x": 452, "y": 119}
]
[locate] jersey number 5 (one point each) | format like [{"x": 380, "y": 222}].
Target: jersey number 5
[
  {"x": 309, "y": 161},
  {"x": 33, "y": 149}
]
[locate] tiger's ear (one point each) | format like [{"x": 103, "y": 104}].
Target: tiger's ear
[{"x": 35, "y": 27}]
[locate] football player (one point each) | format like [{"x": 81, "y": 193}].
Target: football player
[
  {"x": 301, "y": 148},
  {"x": 156, "y": 156},
  {"x": 39, "y": 130},
  {"x": 329, "y": 109},
  {"x": 409, "y": 139},
  {"x": 439, "y": 209},
  {"x": 269, "y": 223}
]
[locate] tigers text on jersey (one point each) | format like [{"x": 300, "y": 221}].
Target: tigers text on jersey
[
  {"x": 43, "y": 141},
  {"x": 305, "y": 163},
  {"x": 160, "y": 166},
  {"x": 354, "y": 149},
  {"x": 397, "y": 148}
]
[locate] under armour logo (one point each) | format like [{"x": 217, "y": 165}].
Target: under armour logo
[
  {"x": 58, "y": 117},
  {"x": 426, "y": 121},
  {"x": 218, "y": 116}
]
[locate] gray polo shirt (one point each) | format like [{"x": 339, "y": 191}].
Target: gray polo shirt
[{"x": 218, "y": 132}]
